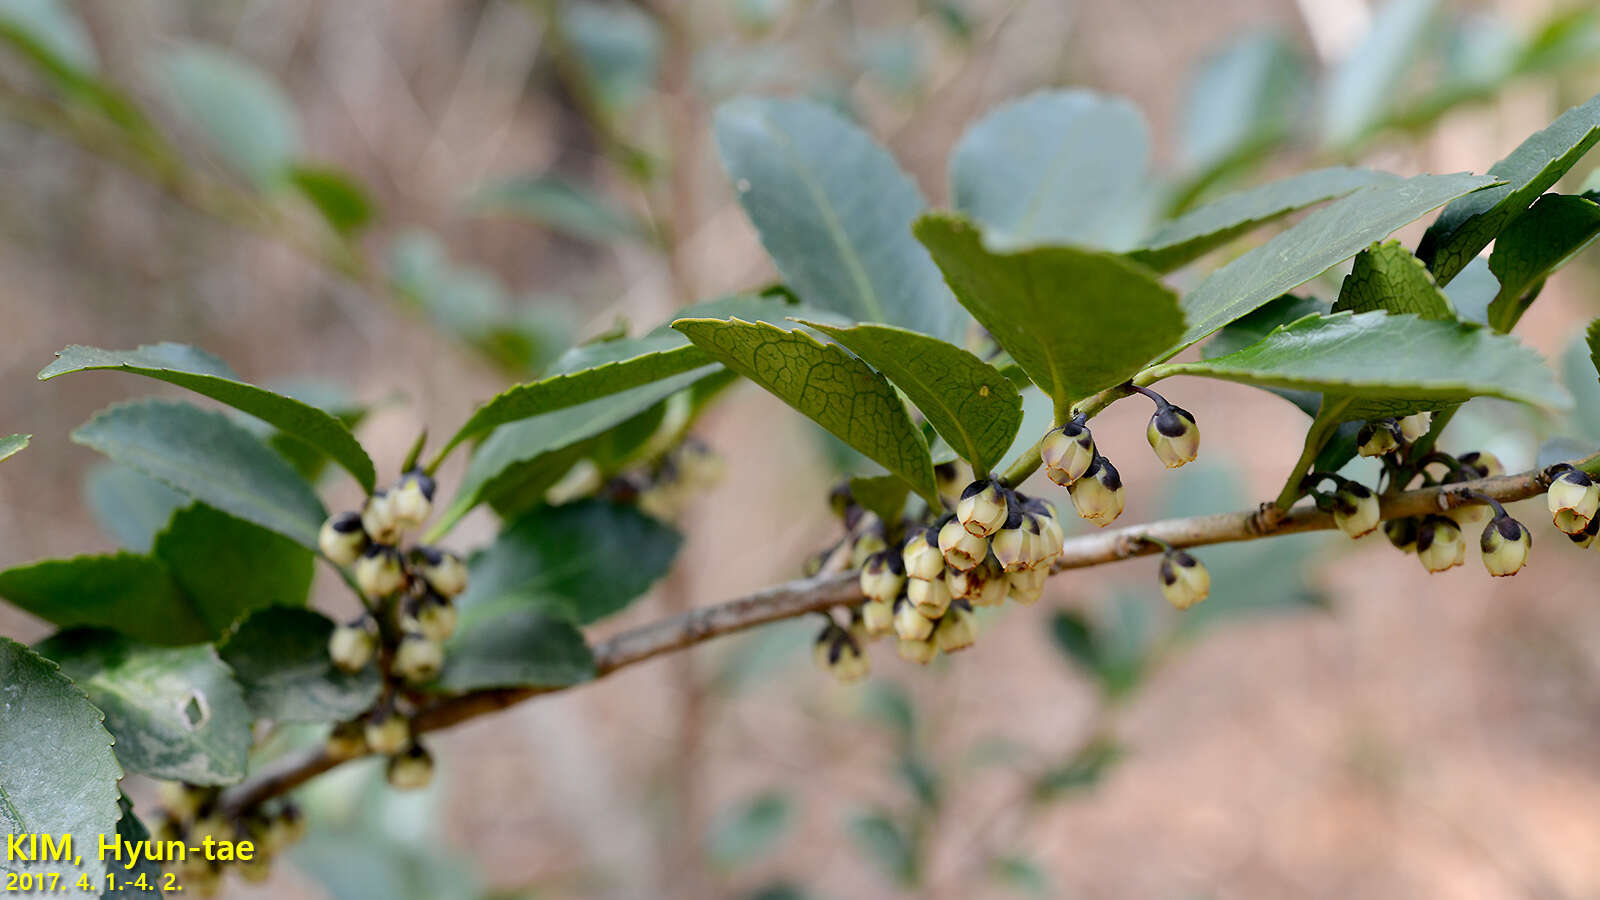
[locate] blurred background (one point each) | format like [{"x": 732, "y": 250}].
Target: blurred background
[{"x": 478, "y": 185}]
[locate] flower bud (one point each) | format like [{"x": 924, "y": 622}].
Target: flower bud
[
  {"x": 342, "y": 539},
  {"x": 351, "y": 646},
  {"x": 1586, "y": 537},
  {"x": 920, "y": 652},
  {"x": 378, "y": 519},
  {"x": 286, "y": 829},
  {"x": 1415, "y": 426},
  {"x": 1174, "y": 436},
  {"x": 1355, "y": 509},
  {"x": 883, "y": 576},
  {"x": 982, "y": 508},
  {"x": 921, "y": 557},
  {"x": 1378, "y": 437},
  {"x": 1573, "y": 499},
  {"x": 1505, "y": 544},
  {"x": 909, "y": 623},
  {"x": 840, "y": 655},
  {"x": 1027, "y": 586},
  {"x": 412, "y": 500},
  {"x": 957, "y": 628},
  {"x": 1067, "y": 452},
  {"x": 867, "y": 543},
  {"x": 181, "y": 801},
  {"x": 378, "y": 572},
  {"x": 1098, "y": 495},
  {"x": 947, "y": 477},
  {"x": 930, "y": 597},
  {"x": 387, "y": 733},
  {"x": 347, "y": 741},
  {"x": 418, "y": 659},
  {"x": 1051, "y": 537},
  {"x": 1011, "y": 544},
  {"x": 1439, "y": 544},
  {"x": 877, "y": 616},
  {"x": 435, "y": 618},
  {"x": 443, "y": 570},
  {"x": 411, "y": 769},
  {"x": 1184, "y": 582},
  {"x": 1483, "y": 463},
  {"x": 962, "y": 550},
  {"x": 1469, "y": 515},
  {"x": 1402, "y": 533}
]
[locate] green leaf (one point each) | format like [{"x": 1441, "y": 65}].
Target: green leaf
[
  {"x": 1361, "y": 90},
  {"x": 1251, "y": 329},
  {"x": 887, "y": 845},
  {"x": 229, "y": 567},
  {"x": 1387, "y": 278},
  {"x": 619, "y": 49},
  {"x": 206, "y": 375},
  {"x": 131, "y": 830},
  {"x": 176, "y": 712},
  {"x": 130, "y": 506},
  {"x": 511, "y": 643},
  {"x": 342, "y": 200},
  {"x": 204, "y": 455},
  {"x": 750, "y": 830},
  {"x": 883, "y": 495},
  {"x": 241, "y": 113},
  {"x": 560, "y": 204},
  {"x": 1085, "y": 769},
  {"x": 280, "y": 656},
  {"x": 1469, "y": 224},
  {"x": 1056, "y": 167},
  {"x": 1535, "y": 244},
  {"x": 1244, "y": 99},
  {"x": 1386, "y": 364},
  {"x": 1208, "y": 227},
  {"x": 581, "y": 561},
  {"x": 834, "y": 211},
  {"x": 832, "y": 388},
  {"x": 1592, "y": 336},
  {"x": 967, "y": 401},
  {"x": 1314, "y": 245},
  {"x": 1076, "y": 321},
  {"x": 58, "y": 775},
  {"x": 12, "y": 444},
  {"x": 133, "y": 594},
  {"x": 1115, "y": 655}
]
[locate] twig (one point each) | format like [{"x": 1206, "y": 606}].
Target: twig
[{"x": 803, "y": 596}]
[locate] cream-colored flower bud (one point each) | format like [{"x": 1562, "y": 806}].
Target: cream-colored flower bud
[
  {"x": 342, "y": 538},
  {"x": 1052, "y": 538},
  {"x": 1469, "y": 515},
  {"x": 378, "y": 572},
  {"x": 443, "y": 570},
  {"x": 411, "y": 769},
  {"x": 920, "y": 651},
  {"x": 962, "y": 550},
  {"x": 1439, "y": 544},
  {"x": 1505, "y": 545},
  {"x": 1098, "y": 495},
  {"x": 1573, "y": 499},
  {"x": 1184, "y": 582},
  {"x": 1067, "y": 452},
  {"x": 1483, "y": 463},
  {"x": 181, "y": 801},
  {"x": 412, "y": 500},
  {"x": 379, "y": 521},
  {"x": 1415, "y": 426},
  {"x": 1174, "y": 436},
  {"x": 877, "y": 617},
  {"x": 1355, "y": 509},
  {"x": 866, "y": 544},
  {"x": 347, "y": 741},
  {"x": 1378, "y": 437},
  {"x": 930, "y": 597},
  {"x": 418, "y": 659},
  {"x": 387, "y": 733},
  {"x": 1586, "y": 537},
  {"x": 846, "y": 662},
  {"x": 995, "y": 584},
  {"x": 436, "y": 618},
  {"x": 1027, "y": 585},
  {"x": 923, "y": 559},
  {"x": 957, "y": 628},
  {"x": 909, "y": 623},
  {"x": 1402, "y": 533},
  {"x": 883, "y": 576},
  {"x": 1013, "y": 545},
  {"x": 982, "y": 508},
  {"x": 351, "y": 646}
]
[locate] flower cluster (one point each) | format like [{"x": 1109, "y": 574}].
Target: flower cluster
[
  {"x": 1071, "y": 460},
  {"x": 191, "y": 814}
]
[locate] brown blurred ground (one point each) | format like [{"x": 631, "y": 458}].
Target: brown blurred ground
[{"x": 1432, "y": 737}]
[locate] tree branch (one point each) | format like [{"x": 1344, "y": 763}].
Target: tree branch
[{"x": 797, "y": 598}]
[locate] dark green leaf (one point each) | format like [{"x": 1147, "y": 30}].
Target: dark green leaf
[
  {"x": 965, "y": 399},
  {"x": 1074, "y": 637},
  {"x": 1469, "y": 224},
  {"x": 204, "y": 455},
  {"x": 887, "y": 845},
  {"x": 1087, "y": 767},
  {"x": 58, "y": 775},
  {"x": 12, "y": 444},
  {"x": 834, "y": 212},
  {"x": 832, "y": 388},
  {"x": 241, "y": 113},
  {"x": 1250, "y": 329},
  {"x": 1592, "y": 336},
  {"x": 1076, "y": 320},
  {"x": 130, "y": 506},
  {"x": 1208, "y": 227},
  {"x": 132, "y": 831},
  {"x": 1387, "y": 278},
  {"x": 509, "y": 642},
  {"x": 1361, "y": 91},
  {"x": 750, "y": 830},
  {"x": 1056, "y": 167},
  {"x": 342, "y": 200},
  {"x": 1244, "y": 99},
  {"x": 176, "y": 712},
  {"x": 204, "y": 374},
  {"x": 882, "y": 495},
  {"x": 560, "y": 204},
  {"x": 581, "y": 561},
  {"x": 1314, "y": 245},
  {"x": 229, "y": 568},
  {"x": 1536, "y": 243},
  {"x": 132, "y": 594},
  {"x": 280, "y": 656}
]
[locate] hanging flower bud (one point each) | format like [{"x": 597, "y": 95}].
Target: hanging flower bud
[
  {"x": 1439, "y": 544},
  {"x": 411, "y": 769},
  {"x": 412, "y": 500},
  {"x": 1505, "y": 544},
  {"x": 1469, "y": 515},
  {"x": 378, "y": 519},
  {"x": 909, "y": 623},
  {"x": 957, "y": 628},
  {"x": 387, "y": 733},
  {"x": 1173, "y": 435},
  {"x": 1483, "y": 463},
  {"x": 867, "y": 543},
  {"x": 883, "y": 576},
  {"x": 435, "y": 618},
  {"x": 877, "y": 617},
  {"x": 418, "y": 659},
  {"x": 1415, "y": 426},
  {"x": 1184, "y": 582},
  {"x": 1027, "y": 586},
  {"x": 920, "y": 652},
  {"x": 1378, "y": 437},
  {"x": 982, "y": 508},
  {"x": 1051, "y": 539},
  {"x": 286, "y": 828},
  {"x": 378, "y": 572},
  {"x": 1067, "y": 452},
  {"x": 962, "y": 550},
  {"x": 930, "y": 597},
  {"x": 1011, "y": 544},
  {"x": 1586, "y": 537},
  {"x": 181, "y": 801},
  {"x": 1098, "y": 495},
  {"x": 995, "y": 584},
  {"x": 840, "y": 655},
  {"x": 351, "y": 646},
  {"x": 949, "y": 479},
  {"x": 443, "y": 570},
  {"x": 1402, "y": 533},
  {"x": 1573, "y": 499},
  {"x": 921, "y": 555},
  {"x": 347, "y": 741},
  {"x": 1355, "y": 509},
  {"x": 342, "y": 539}
]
